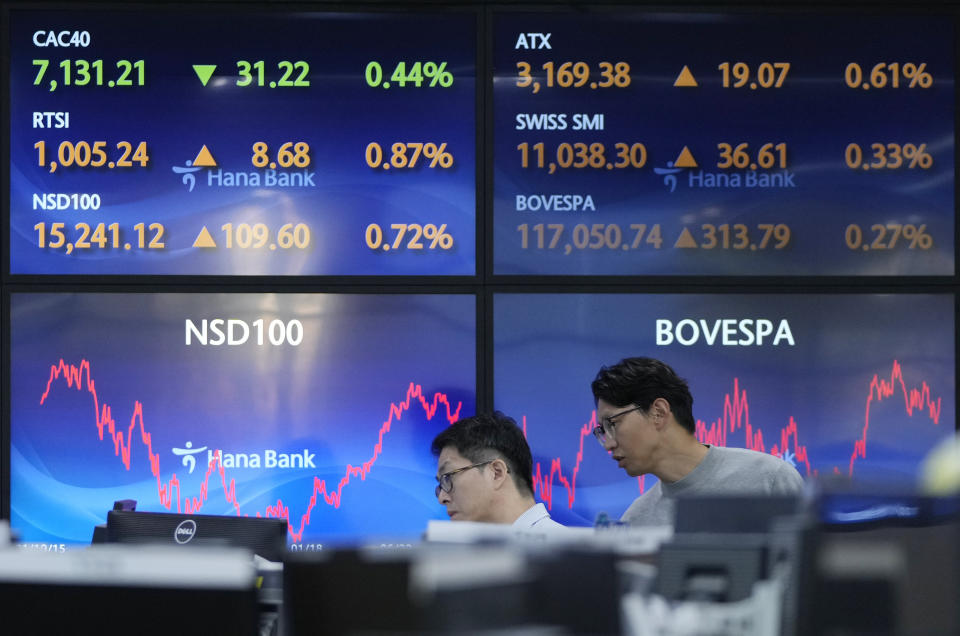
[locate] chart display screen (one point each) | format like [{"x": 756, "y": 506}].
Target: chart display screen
[
  {"x": 317, "y": 408},
  {"x": 857, "y": 386},
  {"x": 633, "y": 142},
  {"x": 212, "y": 142}
]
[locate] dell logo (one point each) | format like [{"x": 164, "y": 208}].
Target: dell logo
[{"x": 185, "y": 531}]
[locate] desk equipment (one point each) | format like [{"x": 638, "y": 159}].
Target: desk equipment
[
  {"x": 114, "y": 590},
  {"x": 265, "y": 537}
]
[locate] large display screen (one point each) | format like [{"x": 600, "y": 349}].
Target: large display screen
[
  {"x": 634, "y": 142},
  {"x": 843, "y": 386},
  {"x": 212, "y": 142},
  {"x": 317, "y": 408}
]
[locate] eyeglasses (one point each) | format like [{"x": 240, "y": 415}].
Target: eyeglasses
[
  {"x": 445, "y": 481},
  {"x": 606, "y": 428}
]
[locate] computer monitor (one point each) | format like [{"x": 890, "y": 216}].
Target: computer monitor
[
  {"x": 857, "y": 510},
  {"x": 863, "y": 388},
  {"x": 265, "y": 536},
  {"x": 734, "y": 514},
  {"x": 113, "y": 590},
  {"x": 717, "y": 571},
  {"x": 898, "y": 575},
  {"x": 331, "y": 431},
  {"x": 723, "y": 545},
  {"x": 432, "y": 588},
  {"x": 320, "y": 592}
]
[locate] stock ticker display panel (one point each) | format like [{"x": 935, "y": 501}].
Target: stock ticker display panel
[
  {"x": 792, "y": 143},
  {"x": 208, "y": 142},
  {"x": 318, "y": 408},
  {"x": 858, "y": 386}
]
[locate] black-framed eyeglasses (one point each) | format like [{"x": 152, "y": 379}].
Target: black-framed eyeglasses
[
  {"x": 445, "y": 481},
  {"x": 606, "y": 428}
]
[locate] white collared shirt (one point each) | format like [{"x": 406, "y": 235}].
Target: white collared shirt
[{"x": 537, "y": 518}]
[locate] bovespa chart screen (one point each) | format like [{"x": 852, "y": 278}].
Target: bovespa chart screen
[{"x": 860, "y": 386}]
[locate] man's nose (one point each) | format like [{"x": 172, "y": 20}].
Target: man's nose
[
  {"x": 609, "y": 443},
  {"x": 443, "y": 497}
]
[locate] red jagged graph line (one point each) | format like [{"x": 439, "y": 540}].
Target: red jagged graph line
[
  {"x": 736, "y": 416},
  {"x": 543, "y": 482},
  {"x": 123, "y": 443},
  {"x": 913, "y": 399}
]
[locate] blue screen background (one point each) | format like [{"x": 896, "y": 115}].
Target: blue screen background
[
  {"x": 815, "y": 113},
  {"x": 330, "y": 396},
  {"x": 549, "y": 347},
  {"x": 338, "y": 115}
]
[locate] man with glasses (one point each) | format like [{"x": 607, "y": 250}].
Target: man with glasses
[
  {"x": 485, "y": 473},
  {"x": 645, "y": 421}
]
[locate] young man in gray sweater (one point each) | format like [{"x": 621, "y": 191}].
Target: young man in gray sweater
[{"x": 645, "y": 420}]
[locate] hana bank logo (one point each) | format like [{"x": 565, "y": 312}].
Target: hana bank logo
[
  {"x": 185, "y": 531},
  {"x": 188, "y": 179},
  {"x": 188, "y": 454},
  {"x": 683, "y": 161},
  {"x": 203, "y": 160},
  {"x": 669, "y": 175}
]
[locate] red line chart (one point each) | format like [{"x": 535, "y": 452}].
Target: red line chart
[
  {"x": 543, "y": 481},
  {"x": 736, "y": 417},
  {"x": 914, "y": 399},
  {"x": 80, "y": 378}
]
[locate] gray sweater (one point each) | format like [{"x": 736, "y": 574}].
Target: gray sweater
[{"x": 724, "y": 471}]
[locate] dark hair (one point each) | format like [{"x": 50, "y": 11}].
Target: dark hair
[
  {"x": 475, "y": 437},
  {"x": 640, "y": 381}
]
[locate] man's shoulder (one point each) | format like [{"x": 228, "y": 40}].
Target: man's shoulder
[
  {"x": 538, "y": 518},
  {"x": 762, "y": 468},
  {"x": 748, "y": 456},
  {"x": 643, "y": 507}
]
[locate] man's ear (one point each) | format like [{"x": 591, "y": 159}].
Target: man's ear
[
  {"x": 660, "y": 412},
  {"x": 500, "y": 472}
]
